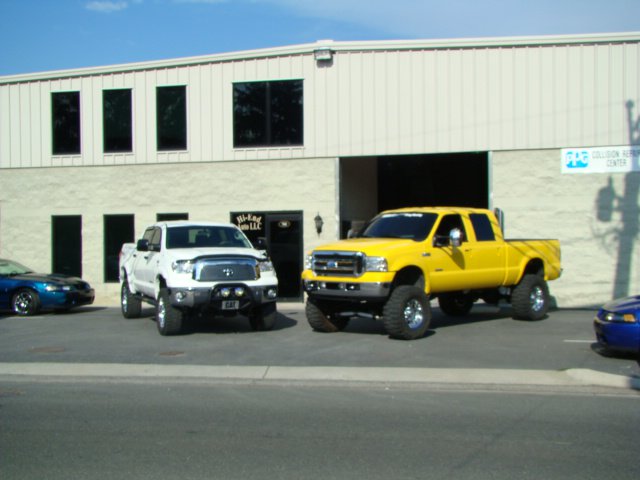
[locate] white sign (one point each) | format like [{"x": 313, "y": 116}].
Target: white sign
[{"x": 601, "y": 160}]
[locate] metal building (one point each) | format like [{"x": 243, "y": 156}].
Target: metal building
[{"x": 302, "y": 143}]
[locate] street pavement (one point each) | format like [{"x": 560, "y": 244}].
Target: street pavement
[{"x": 485, "y": 349}]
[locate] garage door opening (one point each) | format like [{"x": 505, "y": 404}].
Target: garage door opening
[{"x": 369, "y": 185}]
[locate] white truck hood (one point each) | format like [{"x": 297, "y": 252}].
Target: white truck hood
[{"x": 191, "y": 253}]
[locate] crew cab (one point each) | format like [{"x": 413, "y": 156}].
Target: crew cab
[
  {"x": 404, "y": 258},
  {"x": 184, "y": 268}
]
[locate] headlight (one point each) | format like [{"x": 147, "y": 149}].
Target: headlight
[
  {"x": 266, "y": 266},
  {"x": 54, "y": 287},
  {"x": 376, "y": 264},
  {"x": 619, "y": 317},
  {"x": 182, "y": 266},
  {"x": 308, "y": 262}
]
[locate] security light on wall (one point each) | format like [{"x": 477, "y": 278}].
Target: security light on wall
[
  {"x": 323, "y": 54},
  {"x": 319, "y": 223}
]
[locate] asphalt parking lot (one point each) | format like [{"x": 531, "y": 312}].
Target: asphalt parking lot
[{"x": 488, "y": 338}]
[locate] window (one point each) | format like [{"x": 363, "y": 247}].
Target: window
[
  {"x": 118, "y": 229},
  {"x": 482, "y": 227},
  {"x": 414, "y": 226},
  {"x": 116, "y": 121},
  {"x": 171, "y": 104},
  {"x": 153, "y": 235},
  {"x": 448, "y": 223},
  {"x": 65, "y": 120},
  {"x": 66, "y": 244},
  {"x": 205, "y": 236},
  {"x": 164, "y": 217},
  {"x": 267, "y": 113}
]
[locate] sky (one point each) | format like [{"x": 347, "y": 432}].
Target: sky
[{"x": 48, "y": 35}]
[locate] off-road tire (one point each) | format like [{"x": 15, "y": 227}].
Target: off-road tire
[
  {"x": 455, "y": 304},
  {"x": 263, "y": 318},
  {"x": 407, "y": 313},
  {"x": 530, "y": 298},
  {"x": 169, "y": 320},
  {"x": 25, "y": 303},
  {"x": 130, "y": 305},
  {"x": 321, "y": 321}
]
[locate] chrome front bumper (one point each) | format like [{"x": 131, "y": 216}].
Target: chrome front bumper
[
  {"x": 202, "y": 297},
  {"x": 347, "y": 290}
]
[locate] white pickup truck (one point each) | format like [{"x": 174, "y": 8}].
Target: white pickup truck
[{"x": 185, "y": 267}]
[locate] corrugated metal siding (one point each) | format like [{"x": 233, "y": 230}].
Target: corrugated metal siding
[{"x": 368, "y": 102}]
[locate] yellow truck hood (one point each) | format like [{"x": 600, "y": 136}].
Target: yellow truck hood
[{"x": 373, "y": 247}]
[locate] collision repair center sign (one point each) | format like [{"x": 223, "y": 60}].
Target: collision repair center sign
[{"x": 601, "y": 160}]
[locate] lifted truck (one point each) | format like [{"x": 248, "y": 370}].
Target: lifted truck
[
  {"x": 406, "y": 257},
  {"x": 185, "y": 268}
]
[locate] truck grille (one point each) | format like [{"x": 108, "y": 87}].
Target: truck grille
[
  {"x": 227, "y": 269},
  {"x": 340, "y": 264}
]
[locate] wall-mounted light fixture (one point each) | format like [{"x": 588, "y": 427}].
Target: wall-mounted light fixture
[
  {"x": 319, "y": 223},
  {"x": 323, "y": 54}
]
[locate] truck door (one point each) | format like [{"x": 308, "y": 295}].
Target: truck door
[
  {"x": 484, "y": 254},
  {"x": 143, "y": 267},
  {"x": 447, "y": 267}
]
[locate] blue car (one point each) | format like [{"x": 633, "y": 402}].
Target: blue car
[
  {"x": 617, "y": 325},
  {"x": 26, "y": 293}
]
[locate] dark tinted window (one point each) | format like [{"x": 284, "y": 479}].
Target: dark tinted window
[
  {"x": 171, "y": 104},
  {"x": 163, "y": 217},
  {"x": 414, "y": 226},
  {"x": 205, "y": 236},
  {"x": 65, "y": 118},
  {"x": 118, "y": 229},
  {"x": 66, "y": 244},
  {"x": 156, "y": 240},
  {"x": 116, "y": 118},
  {"x": 268, "y": 113},
  {"x": 448, "y": 223},
  {"x": 482, "y": 227}
]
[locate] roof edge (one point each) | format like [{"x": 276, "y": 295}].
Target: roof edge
[{"x": 337, "y": 46}]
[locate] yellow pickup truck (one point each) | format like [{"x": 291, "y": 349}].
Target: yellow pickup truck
[{"x": 404, "y": 258}]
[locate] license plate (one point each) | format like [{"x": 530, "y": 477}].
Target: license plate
[{"x": 230, "y": 305}]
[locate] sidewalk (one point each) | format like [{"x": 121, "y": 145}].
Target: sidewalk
[{"x": 433, "y": 376}]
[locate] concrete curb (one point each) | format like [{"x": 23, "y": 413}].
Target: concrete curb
[
  {"x": 550, "y": 378},
  {"x": 592, "y": 377}
]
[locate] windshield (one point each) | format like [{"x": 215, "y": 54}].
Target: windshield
[
  {"x": 7, "y": 267},
  {"x": 195, "y": 236},
  {"x": 413, "y": 226}
]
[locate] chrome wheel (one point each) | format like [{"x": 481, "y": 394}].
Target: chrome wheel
[
  {"x": 124, "y": 300},
  {"x": 530, "y": 298},
  {"x": 25, "y": 302},
  {"x": 129, "y": 303},
  {"x": 169, "y": 319},
  {"x": 538, "y": 299},
  {"x": 413, "y": 313},
  {"x": 162, "y": 314},
  {"x": 407, "y": 313}
]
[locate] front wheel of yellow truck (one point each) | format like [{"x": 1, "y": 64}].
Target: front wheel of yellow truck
[
  {"x": 407, "y": 313},
  {"x": 321, "y": 320}
]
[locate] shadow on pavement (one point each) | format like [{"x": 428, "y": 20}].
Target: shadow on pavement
[
  {"x": 607, "y": 353},
  {"x": 207, "y": 323}
]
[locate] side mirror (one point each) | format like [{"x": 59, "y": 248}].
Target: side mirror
[
  {"x": 455, "y": 237},
  {"x": 142, "y": 245}
]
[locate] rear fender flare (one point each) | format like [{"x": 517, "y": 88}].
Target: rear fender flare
[{"x": 534, "y": 266}]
